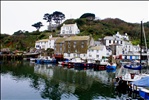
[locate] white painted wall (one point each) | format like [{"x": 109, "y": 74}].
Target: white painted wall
[
  {"x": 96, "y": 54},
  {"x": 69, "y": 29}
]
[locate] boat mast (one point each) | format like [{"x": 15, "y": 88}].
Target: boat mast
[
  {"x": 145, "y": 45},
  {"x": 141, "y": 46}
]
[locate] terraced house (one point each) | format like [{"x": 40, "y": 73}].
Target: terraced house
[
  {"x": 59, "y": 46},
  {"x": 42, "y": 44},
  {"x": 46, "y": 43},
  {"x": 77, "y": 46},
  {"x": 96, "y": 52}
]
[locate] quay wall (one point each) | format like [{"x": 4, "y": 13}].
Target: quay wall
[{"x": 9, "y": 57}]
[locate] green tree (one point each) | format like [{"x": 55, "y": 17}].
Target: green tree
[
  {"x": 89, "y": 16},
  {"x": 58, "y": 17},
  {"x": 38, "y": 25},
  {"x": 48, "y": 18}
]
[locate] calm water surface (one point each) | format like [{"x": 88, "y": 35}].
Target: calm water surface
[{"x": 22, "y": 80}]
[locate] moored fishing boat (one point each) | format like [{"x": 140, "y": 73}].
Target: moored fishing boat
[
  {"x": 90, "y": 63},
  {"x": 141, "y": 87},
  {"x": 133, "y": 66},
  {"x": 78, "y": 63},
  {"x": 101, "y": 65},
  {"x": 47, "y": 59}
]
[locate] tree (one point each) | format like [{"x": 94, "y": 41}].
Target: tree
[
  {"x": 58, "y": 17},
  {"x": 19, "y": 32},
  {"x": 38, "y": 25},
  {"x": 89, "y": 16},
  {"x": 48, "y": 17}
]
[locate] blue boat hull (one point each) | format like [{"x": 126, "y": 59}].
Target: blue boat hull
[
  {"x": 109, "y": 67},
  {"x": 144, "y": 95},
  {"x": 39, "y": 61},
  {"x": 134, "y": 68}
]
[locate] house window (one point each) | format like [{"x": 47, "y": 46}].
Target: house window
[
  {"x": 113, "y": 41},
  {"x": 74, "y": 42},
  {"x": 78, "y": 55},
  {"x": 109, "y": 41},
  {"x": 82, "y": 42},
  {"x": 67, "y": 28},
  {"x": 60, "y": 44},
  {"x": 70, "y": 31},
  {"x": 121, "y": 42},
  {"x": 75, "y": 50},
  {"x": 60, "y": 49},
  {"x": 68, "y": 55},
  {"x": 82, "y": 46},
  {"x": 90, "y": 55},
  {"x": 97, "y": 51},
  {"x": 63, "y": 32},
  {"x": 97, "y": 56}
]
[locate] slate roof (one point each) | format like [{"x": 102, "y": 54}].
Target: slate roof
[
  {"x": 77, "y": 38},
  {"x": 43, "y": 40},
  {"x": 111, "y": 38},
  {"x": 60, "y": 40},
  {"x": 97, "y": 47}
]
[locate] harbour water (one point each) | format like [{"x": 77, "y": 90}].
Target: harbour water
[{"x": 22, "y": 80}]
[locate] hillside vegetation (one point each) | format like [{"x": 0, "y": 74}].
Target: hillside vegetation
[{"x": 96, "y": 28}]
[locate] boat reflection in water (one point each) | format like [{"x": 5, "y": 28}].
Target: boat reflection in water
[{"x": 85, "y": 84}]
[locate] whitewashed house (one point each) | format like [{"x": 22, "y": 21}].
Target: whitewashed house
[
  {"x": 136, "y": 48},
  {"x": 69, "y": 29},
  {"x": 46, "y": 43},
  {"x": 109, "y": 40},
  {"x": 116, "y": 50},
  {"x": 116, "y": 39},
  {"x": 51, "y": 41},
  {"x": 96, "y": 52},
  {"x": 42, "y": 44},
  {"x": 128, "y": 47},
  {"x": 108, "y": 51},
  {"x": 124, "y": 37}
]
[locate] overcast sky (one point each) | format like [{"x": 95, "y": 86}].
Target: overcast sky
[{"x": 20, "y": 15}]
